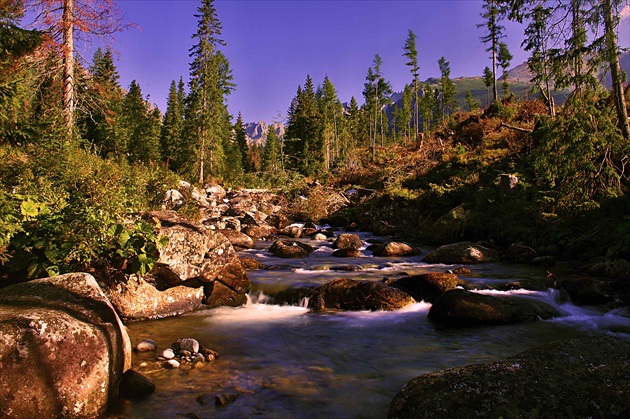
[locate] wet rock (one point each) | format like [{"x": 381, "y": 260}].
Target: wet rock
[
  {"x": 428, "y": 286},
  {"x": 460, "y": 308},
  {"x": 172, "y": 363},
  {"x": 349, "y": 294},
  {"x": 249, "y": 264},
  {"x": 146, "y": 345},
  {"x": 168, "y": 353},
  {"x": 309, "y": 229},
  {"x": 186, "y": 344},
  {"x": 135, "y": 385},
  {"x": 173, "y": 199},
  {"x": 292, "y": 231},
  {"x": 586, "y": 290},
  {"x": 347, "y": 253},
  {"x": 224, "y": 399},
  {"x": 394, "y": 249},
  {"x": 63, "y": 348},
  {"x": 136, "y": 299},
  {"x": 290, "y": 249},
  {"x": 571, "y": 379},
  {"x": 347, "y": 241},
  {"x": 259, "y": 232},
  {"x": 210, "y": 354},
  {"x": 238, "y": 239},
  {"x": 278, "y": 221},
  {"x": 463, "y": 253},
  {"x": 320, "y": 237}
]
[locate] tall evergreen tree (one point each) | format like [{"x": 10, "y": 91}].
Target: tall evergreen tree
[
  {"x": 172, "y": 145},
  {"x": 504, "y": 59},
  {"x": 241, "y": 139},
  {"x": 412, "y": 55},
  {"x": 207, "y": 119},
  {"x": 488, "y": 82},
  {"x": 271, "y": 158},
  {"x": 447, "y": 89},
  {"x": 303, "y": 146},
  {"x": 330, "y": 111},
  {"x": 142, "y": 126},
  {"x": 491, "y": 15},
  {"x": 403, "y": 113}
]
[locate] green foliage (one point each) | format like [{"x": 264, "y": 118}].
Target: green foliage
[{"x": 137, "y": 246}]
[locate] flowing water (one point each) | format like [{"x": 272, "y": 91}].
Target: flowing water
[{"x": 286, "y": 361}]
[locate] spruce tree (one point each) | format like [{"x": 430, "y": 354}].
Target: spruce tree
[
  {"x": 488, "y": 82},
  {"x": 504, "y": 59},
  {"x": 207, "y": 119},
  {"x": 330, "y": 111},
  {"x": 271, "y": 158},
  {"x": 447, "y": 89},
  {"x": 140, "y": 122},
  {"x": 412, "y": 55},
  {"x": 241, "y": 140},
  {"x": 172, "y": 144},
  {"x": 491, "y": 15}
]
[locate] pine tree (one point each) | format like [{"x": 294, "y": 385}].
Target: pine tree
[
  {"x": 141, "y": 124},
  {"x": 447, "y": 89},
  {"x": 271, "y": 158},
  {"x": 172, "y": 144},
  {"x": 207, "y": 119},
  {"x": 403, "y": 113},
  {"x": 504, "y": 59},
  {"x": 491, "y": 15},
  {"x": 472, "y": 104},
  {"x": 303, "y": 146},
  {"x": 330, "y": 111},
  {"x": 241, "y": 140},
  {"x": 488, "y": 82},
  {"x": 412, "y": 55}
]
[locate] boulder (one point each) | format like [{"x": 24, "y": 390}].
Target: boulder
[
  {"x": 292, "y": 231},
  {"x": 350, "y": 294},
  {"x": 278, "y": 221},
  {"x": 347, "y": 241},
  {"x": 394, "y": 249},
  {"x": 464, "y": 308},
  {"x": 197, "y": 254},
  {"x": 63, "y": 348},
  {"x": 463, "y": 252},
  {"x": 173, "y": 199},
  {"x": 290, "y": 249},
  {"x": 519, "y": 253},
  {"x": 585, "y": 290},
  {"x": 238, "y": 239},
  {"x": 428, "y": 286},
  {"x": 250, "y": 264},
  {"x": 134, "y": 385},
  {"x": 137, "y": 299},
  {"x": 578, "y": 378},
  {"x": 259, "y": 232}
]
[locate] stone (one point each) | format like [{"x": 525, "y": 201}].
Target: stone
[
  {"x": 259, "y": 232},
  {"x": 428, "y": 286},
  {"x": 146, "y": 345},
  {"x": 347, "y": 253},
  {"x": 63, "y": 348},
  {"x": 290, "y": 249},
  {"x": 168, "y": 353},
  {"x": 394, "y": 249},
  {"x": 577, "y": 378},
  {"x": 224, "y": 399},
  {"x": 173, "y": 364},
  {"x": 136, "y": 299},
  {"x": 187, "y": 344},
  {"x": 461, "y": 308},
  {"x": 238, "y": 239},
  {"x": 320, "y": 237},
  {"x": 249, "y": 264},
  {"x": 278, "y": 221},
  {"x": 519, "y": 253},
  {"x": 463, "y": 253},
  {"x": 292, "y": 231},
  {"x": 135, "y": 385},
  {"x": 347, "y": 241},
  {"x": 350, "y": 294},
  {"x": 173, "y": 199}
]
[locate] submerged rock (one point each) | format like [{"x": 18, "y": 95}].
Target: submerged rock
[
  {"x": 428, "y": 286},
  {"x": 135, "y": 385},
  {"x": 350, "y": 294},
  {"x": 578, "y": 378},
  {"x": 464, "y": 308},
  {"x": 463, "y": 252}
]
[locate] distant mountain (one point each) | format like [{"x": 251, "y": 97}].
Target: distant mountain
[{"x": 257, "y": 132}]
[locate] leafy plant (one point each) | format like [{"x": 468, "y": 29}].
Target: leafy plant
[{"x": 137, "y": 246}]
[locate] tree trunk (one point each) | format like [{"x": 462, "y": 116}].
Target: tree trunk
[
  {"x": 612, "y": 55},
  {"x": 68, "y": 66}
]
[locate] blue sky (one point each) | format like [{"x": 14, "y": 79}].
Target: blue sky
[{"x": 274, "y": 44}]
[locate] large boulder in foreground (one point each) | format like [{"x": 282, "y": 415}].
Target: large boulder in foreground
[
  {"x": 350, "y": 294},
  {"x": 197, "y": 255},
  {"x": 459, "y": 307},
  {"x": 579, "y": 378},
  {"x": 62, "y": 348},
  {"x": 463, "y": 252},
  {"x": 427, "y": 286},
  {"x": 136, "y": 299}
]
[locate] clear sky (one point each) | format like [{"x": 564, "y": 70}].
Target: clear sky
[{"x": 273, "y": 44}]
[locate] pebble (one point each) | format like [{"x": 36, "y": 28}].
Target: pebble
[
  {"x": 146, "y": 345},
  {"x": 168, "y": 353},
  {"x": 172, "y": 363}
]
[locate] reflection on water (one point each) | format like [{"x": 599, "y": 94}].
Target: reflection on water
[{"x": 287, "y": 362}]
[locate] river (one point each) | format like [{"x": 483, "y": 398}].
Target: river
[{"x": 286, "y": 361}]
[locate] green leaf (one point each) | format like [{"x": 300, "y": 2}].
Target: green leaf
[
  {"x": 162, "y": 241},
  {"x": 29, "y": 208}
]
